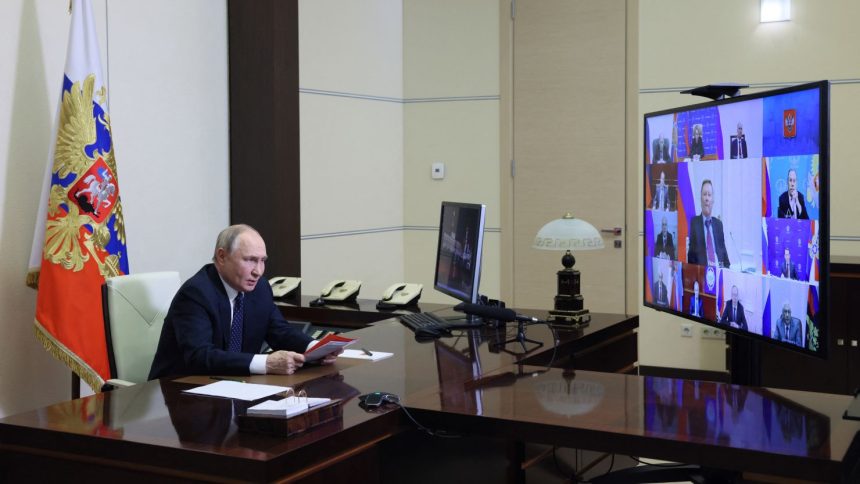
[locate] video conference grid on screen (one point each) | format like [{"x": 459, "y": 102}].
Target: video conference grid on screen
[{"x": 733, "y": 211}]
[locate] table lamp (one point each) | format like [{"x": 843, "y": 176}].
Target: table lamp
[{"x": 567, "y": 234}]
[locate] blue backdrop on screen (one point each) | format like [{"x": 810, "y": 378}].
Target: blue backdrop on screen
[{"x": 777, "y": 112}]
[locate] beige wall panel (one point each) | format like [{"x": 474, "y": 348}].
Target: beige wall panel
[
  {"x": 451, "y": 48},
  {"x": 351, "y": 164},
  {"x": 690, "y": 43},
  {"x": 375, "y": 259},
  {"x": 465, "y": 136},
  {"x": 353, "y": 47},
  {"x": 421, "y": 264},
  {"x": 569, "y": 142}
]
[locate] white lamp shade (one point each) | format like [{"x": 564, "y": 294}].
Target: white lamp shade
[{"x": 568, "y": 233}]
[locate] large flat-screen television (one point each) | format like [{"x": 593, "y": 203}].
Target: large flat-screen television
[
  {"x": 736, "y": 214},
  {"x": 458, "y": 253}
]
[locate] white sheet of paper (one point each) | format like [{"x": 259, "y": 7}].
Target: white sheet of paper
[
  {"x": 286, "y": 407},
  {"x": 360, "y": 355},
  {"x": 237, "y": 390}
]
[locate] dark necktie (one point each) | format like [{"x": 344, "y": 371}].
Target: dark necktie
[
  {"x": 235, "y": 344},
  {"x": 734, "y": 313},
  {"x": 712, "y": 256}
]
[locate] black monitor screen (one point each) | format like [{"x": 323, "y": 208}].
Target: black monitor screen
[
  {"x": 736, "y": 214},
  {"x": 458, "y": 254}
]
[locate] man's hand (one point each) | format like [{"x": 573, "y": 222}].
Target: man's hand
[
  {"x": 284, "y": 362},
  {"x": 331, "y": 357}
]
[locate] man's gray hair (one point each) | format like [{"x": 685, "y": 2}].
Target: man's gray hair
[{"x": 229, "y": 237}]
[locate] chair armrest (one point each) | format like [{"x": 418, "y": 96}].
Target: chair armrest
[{"x": 116, "y": 383}]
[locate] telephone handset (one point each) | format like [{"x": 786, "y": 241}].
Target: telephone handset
[
  {"x": 400, "y": 294},
  {"x": 284, "y": 286},
  {"x": 340, "y": 291}
]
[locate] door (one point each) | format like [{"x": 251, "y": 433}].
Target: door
[{"x": 569, "y": 70}]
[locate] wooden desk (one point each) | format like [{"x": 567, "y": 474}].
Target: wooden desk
[{"x": 152, "y": 431}]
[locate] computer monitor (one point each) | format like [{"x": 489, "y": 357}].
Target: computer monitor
[
  {"x": 458, "y": 254},
  {"x": 736, "y": 215}
]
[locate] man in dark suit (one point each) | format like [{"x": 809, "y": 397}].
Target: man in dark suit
[
  {"x": 660, "y": 149},
  {"x": 733, "y": 313},
  {"x": 739, "y": 144},
  {"x": 707, "y": 242},
  {"x": 220, "y": 317},
  {"x": 791, "y": 204},
  {"x": 788, "y": 328},
  {"x": 788, "y": 270},
  {"x": 661, "y": 194},
  {"x": 664, "y": 247},
  {"x": 661, "y": 295},
  {"x": 696, "y": 304}
]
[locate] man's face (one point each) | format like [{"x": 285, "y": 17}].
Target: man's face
[
  {"x": 792, "y": 182},
  {"x": 244, "y": 266},
  {"x": 787, "y": 255},
  {"x": 696, "y": 288},
  {"x": 665, "y": 227},
  {"x": 707, "y": 199},
  {"x": 662, "y": 178},
  {"x": 786, "y": 314},
  {"x": 740, "y": 131},
  {"x": 735, "y": 294}
]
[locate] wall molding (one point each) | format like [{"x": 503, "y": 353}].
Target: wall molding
[
  {"x": 378, "y": 230},
  {"x": 398, "y": 100}
]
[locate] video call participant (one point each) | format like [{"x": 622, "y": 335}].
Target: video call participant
[
  {"x": 661, "y": 194},
  {"x": 788, "y": 327},
  {"x": 791, "y": 204},
  {"x": 661, "y": 295},
  {"x": 219, "y": 318},
  {"x": 733, "y": 313},
  {"x": 707, "y": 242},
  {"x": 661, "y": 150},
  {"x": 664, "y": 247},
  {"x": 697, "y": 147},
  {"x": 739, "y": 144},
  {"x": 787, "y": 269},
  {"x": 696, "y": 304}
]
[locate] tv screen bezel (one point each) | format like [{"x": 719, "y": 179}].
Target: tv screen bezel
[{"x": 822, "y": 316}]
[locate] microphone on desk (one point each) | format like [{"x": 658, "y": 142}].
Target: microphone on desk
[{"x": 492, "y": 312}]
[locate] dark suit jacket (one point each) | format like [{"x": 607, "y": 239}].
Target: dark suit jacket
[
  {"x": 789, "y": 270},
  {"x": 785, "y": 211},
  {"x": 661, "y": 294},
  {"x": 740, "y": 317},
  {"x": 697, "y": 309},
  {"x": 697, "y": 147},
  {"x": 793, "y": 334},
  {"x": 743, "y": 143},
  {"x": 656, "y": 202},
  {"x": 661, "y": 151},
  {"x": 197, "y": 329},
  {"x": 698, "y": 253},
  {"x": 668, "y": 247}
]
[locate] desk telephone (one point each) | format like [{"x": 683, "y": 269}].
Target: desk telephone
[
  {"x": 284, "y": 286},
  {"x": 339, "y": 290},
  {"x": 399, "y": 295}
]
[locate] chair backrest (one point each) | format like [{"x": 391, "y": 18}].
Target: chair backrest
[{"x": 134, "y": 309}]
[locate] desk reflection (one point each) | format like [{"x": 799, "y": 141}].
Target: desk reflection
[{"x": 733, "y": 415}]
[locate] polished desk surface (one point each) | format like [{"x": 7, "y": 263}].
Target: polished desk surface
[{"x": 461, "y": 383}]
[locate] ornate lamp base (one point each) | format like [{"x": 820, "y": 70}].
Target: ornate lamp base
[{"x": 568, "y": 310}]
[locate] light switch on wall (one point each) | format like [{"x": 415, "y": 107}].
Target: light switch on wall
[{"x": 437, "y": 170}]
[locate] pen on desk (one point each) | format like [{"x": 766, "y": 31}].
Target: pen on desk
[
  {"x": 221, "y": 378},
  {"x": 367, "y": 352}
]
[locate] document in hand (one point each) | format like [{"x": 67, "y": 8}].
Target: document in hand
[
  {"x": 328, "y": 345},
  {"x": 286, "y": 407}
]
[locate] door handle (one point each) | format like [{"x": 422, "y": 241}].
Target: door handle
[{"x": 616, "y": 231}]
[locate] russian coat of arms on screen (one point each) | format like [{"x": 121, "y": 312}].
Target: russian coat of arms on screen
[{"x": 789, "y": 123}]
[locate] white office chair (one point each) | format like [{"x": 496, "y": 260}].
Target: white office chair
[{"x": 134, "y": 308}]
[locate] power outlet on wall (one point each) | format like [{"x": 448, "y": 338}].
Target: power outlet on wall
[
  {"x": 687, "y": 330},
  {"x": 713, "y": 333}
]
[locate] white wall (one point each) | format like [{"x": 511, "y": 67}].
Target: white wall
[
  {"x": 166, "y": 64},
  {"x": 818, "y": 43}
]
